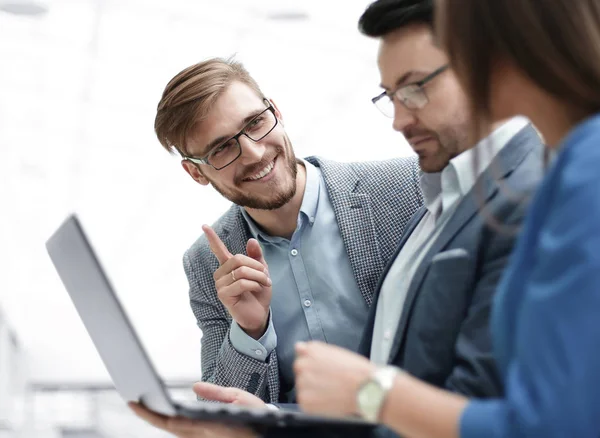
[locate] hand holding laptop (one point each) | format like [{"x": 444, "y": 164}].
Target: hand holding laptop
[
  {"x": 187, "y": 428},
  {"x": 236, "y": 396}
]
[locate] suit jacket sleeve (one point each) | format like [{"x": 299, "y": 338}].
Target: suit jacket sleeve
[
  {"x": 475, "y": 373},
  {"x": 222, "y": 364}
]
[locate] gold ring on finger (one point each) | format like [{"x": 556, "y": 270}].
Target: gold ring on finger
[{"x": 233, "y": 276}]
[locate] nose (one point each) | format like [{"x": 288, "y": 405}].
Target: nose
[
  {"x": 403, "y": 117},
  {"x": 252, "y": 152}
]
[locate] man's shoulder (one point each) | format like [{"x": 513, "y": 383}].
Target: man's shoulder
[
  {"x": 387, "y": 165},
  {"x": 378, "y": 172},
  {"x": 524, "y": 179},
  {"x": 505, "y": 211}
]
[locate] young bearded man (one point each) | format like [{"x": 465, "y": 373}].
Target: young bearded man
[{"x": 298, "y": 255}]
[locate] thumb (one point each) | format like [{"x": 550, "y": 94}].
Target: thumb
[
  {"x": 255, "y": 251},
  {"x": 212, "y": 392}
]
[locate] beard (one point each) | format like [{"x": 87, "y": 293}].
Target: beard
[
  {"x": 278, "y": 195},
  {"x": 452, "y": 140}
]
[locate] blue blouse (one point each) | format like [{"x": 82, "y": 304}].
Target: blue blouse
[{"x": 546, "y": 319}]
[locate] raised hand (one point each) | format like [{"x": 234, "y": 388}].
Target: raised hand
[{"x": 243, "y": 284}]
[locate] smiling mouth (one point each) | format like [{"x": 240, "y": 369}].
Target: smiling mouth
[{"x": 262, "y": 173}]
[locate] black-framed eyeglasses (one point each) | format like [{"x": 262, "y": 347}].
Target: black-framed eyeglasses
[
  {"x": 230, "y": 150},
  {"x": 412, "y": 96}
]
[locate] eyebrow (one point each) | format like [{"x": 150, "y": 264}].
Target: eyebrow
[
  {"x": 404, "y": 78},
  {"x": 217, "y": 141}
]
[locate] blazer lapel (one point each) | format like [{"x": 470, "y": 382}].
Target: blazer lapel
[
  {"x": 486, "y": 187},
  {"x": 367, "y": 338},
  {"x": 409, "y": 229},
  {"x": 357, "y": 228},
  {"x": 354, "y": 216}
]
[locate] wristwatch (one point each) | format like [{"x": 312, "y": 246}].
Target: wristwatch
[{"x": 372, "y": 393}]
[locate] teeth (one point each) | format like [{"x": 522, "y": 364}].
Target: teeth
[{"x": 264, "y": 172}]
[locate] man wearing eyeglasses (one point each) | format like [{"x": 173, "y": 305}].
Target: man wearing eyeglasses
[
  {"x": 432, "y": 306},
  {"x": 298, "y": 255}
]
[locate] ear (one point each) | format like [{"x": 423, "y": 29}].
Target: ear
[
  {"x": 277, "y": 112},
  {"x": 194, "y": 171}
]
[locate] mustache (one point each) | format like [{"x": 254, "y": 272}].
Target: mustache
[{"x": 257, "y": 167}]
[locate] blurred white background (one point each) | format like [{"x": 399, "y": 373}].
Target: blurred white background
[{"x": 79, "y": 84}]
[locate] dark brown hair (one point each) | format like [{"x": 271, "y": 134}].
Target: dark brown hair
[
  {"x": 556, "y": 43},
  {"x": 385, "y": 16}
]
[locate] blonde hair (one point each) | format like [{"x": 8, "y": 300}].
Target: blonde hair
[{"x": 189, "y": 96}]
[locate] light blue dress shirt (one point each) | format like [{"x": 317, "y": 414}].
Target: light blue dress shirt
[
  {"x": 546, "y": 319},
  {"x": 315, "y": 295}
]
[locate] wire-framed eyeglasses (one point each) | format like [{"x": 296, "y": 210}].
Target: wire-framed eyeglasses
[
  {"x": 412, "y": 96},
  {"x": 230, "y": 150}
]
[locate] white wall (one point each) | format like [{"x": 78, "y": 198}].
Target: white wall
[
  {"x": 13, "y": 375},
  {"x": 79, "y": 88}
]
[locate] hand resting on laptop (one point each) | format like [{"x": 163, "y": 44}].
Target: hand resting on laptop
[{"x": 188, "y": 428}]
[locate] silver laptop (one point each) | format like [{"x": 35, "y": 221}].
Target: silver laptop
[{"x": 130, "y": 368}]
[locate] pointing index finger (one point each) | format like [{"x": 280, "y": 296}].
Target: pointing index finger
[{"x": 216, "y": 245}]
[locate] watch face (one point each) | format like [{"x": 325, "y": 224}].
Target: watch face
[{"x": 369, "y": 400}]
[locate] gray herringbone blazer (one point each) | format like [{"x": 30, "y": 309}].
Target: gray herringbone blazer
[{"x": 372, "y": 203}]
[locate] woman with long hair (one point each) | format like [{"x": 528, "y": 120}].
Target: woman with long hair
[{"x": 541, "y": 59}]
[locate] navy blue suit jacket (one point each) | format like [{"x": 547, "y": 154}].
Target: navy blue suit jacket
[{"x": 443, "y": 336}]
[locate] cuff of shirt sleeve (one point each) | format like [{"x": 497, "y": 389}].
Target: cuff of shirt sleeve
[
  {"x": 248, "y": 346},
  {"x": 481, "y": 418}
]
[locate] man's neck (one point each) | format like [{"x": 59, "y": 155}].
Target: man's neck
[
  {"x": 282, "y": 222},
  {"x": 493, "y": 127}
]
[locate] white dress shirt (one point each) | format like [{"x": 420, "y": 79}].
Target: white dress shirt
[{"x": 442, "y": 193}]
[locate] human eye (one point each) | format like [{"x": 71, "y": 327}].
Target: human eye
[
  {"x": 222, "y": 149},
  {"x": 256, "y": 123},
  {"x": 408, "y": 91}
]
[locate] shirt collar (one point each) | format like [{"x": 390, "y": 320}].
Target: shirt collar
[
  {"x": 465, "y": 172},
  {"x": 310, "y": 201},
  {"x": 459, "y": 176},
  {"x": 431, "y": 186}
]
